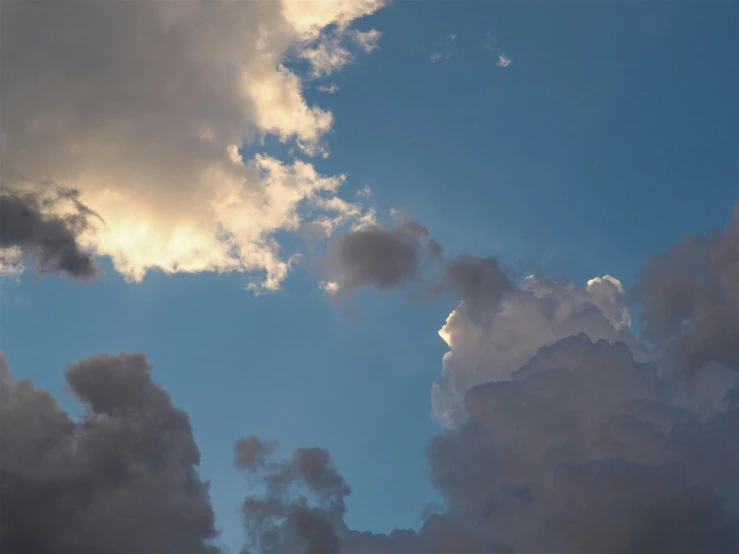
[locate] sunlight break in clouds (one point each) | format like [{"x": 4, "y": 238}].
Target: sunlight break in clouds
[{"x": 145, "y": 120}]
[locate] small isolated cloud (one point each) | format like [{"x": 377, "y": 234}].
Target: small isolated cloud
[
  {"x": 445, "y": 50},
  {"x": 436, "y": 56},
  {"x": 365, "y": 192},
  {"x": 503, "y": 60},
  {"x": 490, "y": 41},
  {"x": 375, "y": 257},
  {"x": 328, "y": 89}
]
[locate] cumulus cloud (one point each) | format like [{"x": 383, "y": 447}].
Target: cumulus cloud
[
  {"x": 121, "y": 480},
  {"x": 489, "y": 340},
  {"x": 588, "y": 444},
  {"x": 45, "y": 226},
  {"x": 503, "y": 60},
  {"x": 582, "y": 450},
  {"x": 567, "y": 434},
  {"x": 445, "y": 50},
  {"x": 142, "y": 107},
  {"x": 689, "y": 297}
]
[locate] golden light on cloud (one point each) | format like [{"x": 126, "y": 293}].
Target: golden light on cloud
[{"x": 155, "y": 151}]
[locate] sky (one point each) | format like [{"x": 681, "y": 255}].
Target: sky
[{"x": 280, "y": 204}]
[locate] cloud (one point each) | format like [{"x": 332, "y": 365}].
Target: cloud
[
  {"x": 121, "y": 480},
  {"x": 436, "y": 56},
  {"x": 581, "y": 451},
  {"x": 503, "y": 60},
  {"x": 690, "y": 299},
  {"x": 45, "y": 226},
  {"x": 376, "y": 257},
  {"x": 445, "y": 51},
  {"x": 328, "y": 89},
  {"x": 142, "y": 107},
  {"x": 591, "y": 443},
  {"x": 491, "y": 337}
]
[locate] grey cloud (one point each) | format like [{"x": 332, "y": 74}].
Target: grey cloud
[
  {"x": 479, "y": 283},
  {"x": 28, "y": 224},
  {"x": 303, "y": 504},
  {"x": 584, "y": 445},
  {"x": 122, "y": 480},
  {"x": 689, "y": 297},
  {"x": 583, "y": 451},
  {"x": 378, "y": 258},
  {"x": 392, "y": 258}
]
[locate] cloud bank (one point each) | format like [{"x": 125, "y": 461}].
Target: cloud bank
[
  {"x": 591, "y": 443},
  {"x": 143, "y": 106}
]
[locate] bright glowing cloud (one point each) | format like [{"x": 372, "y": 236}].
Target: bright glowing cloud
[{"x": 145, "y": 120}]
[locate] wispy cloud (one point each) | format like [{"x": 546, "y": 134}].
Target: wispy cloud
[
  {"x": 503, "y": 60},
  {"x": 445, "y": 50},
  {"x": 328, "y": 89}
]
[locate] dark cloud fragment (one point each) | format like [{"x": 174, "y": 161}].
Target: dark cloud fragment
[
  {"x": 378, "y": 258},
  {"x": 121, "y": 481},
  {"x": 689, "y": 298},
  {"x": 479, "y": 281},
  {"x": 28, "y": 223}
]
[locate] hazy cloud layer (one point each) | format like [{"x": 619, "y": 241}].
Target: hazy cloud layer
[
  {"x": 142, "y": 106},
  {"x": 121, "y": 481},
  {"x": 45, "y": 227}
]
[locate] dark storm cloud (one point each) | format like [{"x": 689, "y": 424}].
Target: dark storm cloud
[
  {"x": 379, "y": 258},
  {"x": 51, "y": 240},
  {"x": 690, "y": 299},
  {"x": 121, "y": 481}
]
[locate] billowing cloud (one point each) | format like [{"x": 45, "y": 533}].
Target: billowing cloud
[
  {"x": 689, "y": 297},
  {"x": 582, "y": 450},
  {"x": 589, "y": 444},
  {"x": 45, "y": 227},
  {"x": 142, "y": 107},
  {"x": 488, "y": 341},
  {"x": 122, "y": 480}
]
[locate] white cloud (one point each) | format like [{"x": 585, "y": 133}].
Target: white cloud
[
  {"x": 538, "y": 313},
  {"x": 436, "y": 56},
  {"x": 142, "y": 106},
  {"x": 328, "y": 89},
  {"x": 503, "y": 60},
  {"x": 11, "y": 262},
  {"x": 367, "y": 40}
]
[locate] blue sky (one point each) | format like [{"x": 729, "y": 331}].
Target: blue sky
[{"x": 611, "y": 134}]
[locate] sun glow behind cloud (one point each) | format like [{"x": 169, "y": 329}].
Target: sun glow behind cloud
[{"x": 155, "y": 151}]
